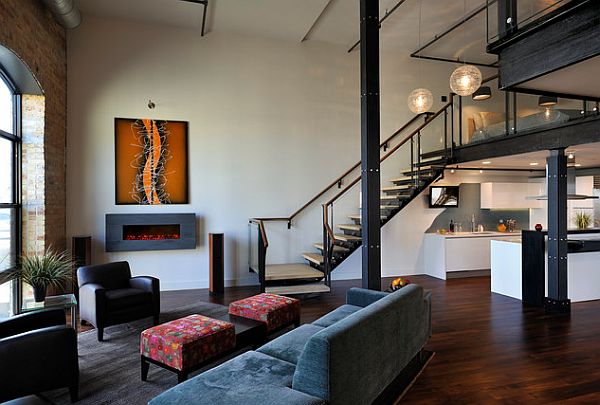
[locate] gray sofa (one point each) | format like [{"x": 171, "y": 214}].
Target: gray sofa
[{"x": 348, "y": 356}]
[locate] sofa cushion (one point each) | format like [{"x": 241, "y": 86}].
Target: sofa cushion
[
  {"x": 124, "y": 298},
  {"x": 336, "y": 315},
  {"x": 251, "y": 378},
  {"x": 289, "y": 347}
]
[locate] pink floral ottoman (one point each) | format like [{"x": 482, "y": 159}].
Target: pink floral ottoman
[
  {"x": 185, "y": 344},
  {"x": 275, "y": 311}
]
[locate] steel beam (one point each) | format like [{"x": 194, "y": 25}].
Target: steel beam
[
  {"x": 557, "y": 299},
  {"x": 370, "y": 176}
]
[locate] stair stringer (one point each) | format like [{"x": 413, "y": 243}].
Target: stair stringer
[{"x": 394, "y": 232}]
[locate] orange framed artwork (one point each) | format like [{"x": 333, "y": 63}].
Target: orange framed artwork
[{"x": 151, "y": 161}]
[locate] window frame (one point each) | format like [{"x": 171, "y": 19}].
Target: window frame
[{"x": 16, "y": 139}]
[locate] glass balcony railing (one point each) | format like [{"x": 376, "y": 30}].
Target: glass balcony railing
[
  {"x": 508, "y": 113},
  {"x": 499, "y": 24}
]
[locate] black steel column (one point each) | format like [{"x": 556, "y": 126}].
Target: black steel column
[
  {"x": 369, "y": 103},
  {"x": 507, "y": 17},
  {"x": 557, "y": 300}
]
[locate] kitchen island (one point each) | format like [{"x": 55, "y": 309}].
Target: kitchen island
[
  {"x": 529, "y": 283},
  {"x": 460, "y": 254}
]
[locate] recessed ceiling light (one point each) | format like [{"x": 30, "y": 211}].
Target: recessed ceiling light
[
  {"x": 571, "y": 155},
  {"x": 452, "y": 171},
  {"x": 480, "y": 171},
  {"x": 487, "y": 162},
  {"x": 533, "y": 164}
]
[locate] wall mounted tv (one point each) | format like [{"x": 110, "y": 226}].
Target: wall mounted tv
[{"x": 443, "y": 196}]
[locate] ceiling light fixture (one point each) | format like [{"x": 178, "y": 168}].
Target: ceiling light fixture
[
  {"x": 533, "y": 164},
  {"x": 487, "y": 162},
  {"x": 480, "y": 171},
  {"x": 482, "y": 93},
  {"x": 420, "y": 100},
  {"x": 466, "y": 79}
]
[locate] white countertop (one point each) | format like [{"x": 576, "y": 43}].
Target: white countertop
[
  {"x": 485, "y": 234},
  {"x": 507, "y": 240}
]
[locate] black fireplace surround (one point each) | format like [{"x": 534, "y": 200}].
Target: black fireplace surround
[{"x": 128, "y": 232}]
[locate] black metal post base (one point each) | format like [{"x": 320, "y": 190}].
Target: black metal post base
[{"x": 553, "y": 306}]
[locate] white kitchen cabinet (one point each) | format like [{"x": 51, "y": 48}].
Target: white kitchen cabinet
[
  {"x": 462, "y": 252},
  {"x": 511, "y": 195}
]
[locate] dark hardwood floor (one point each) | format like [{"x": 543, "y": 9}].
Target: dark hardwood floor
[{"x": 489, "y": 348}]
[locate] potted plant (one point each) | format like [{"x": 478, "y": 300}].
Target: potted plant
[
  {"x": 582, "y": 220},
  {"x": 40, "y": 271}
]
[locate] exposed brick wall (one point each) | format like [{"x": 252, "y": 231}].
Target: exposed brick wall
[{"x": 29, "y": 30}]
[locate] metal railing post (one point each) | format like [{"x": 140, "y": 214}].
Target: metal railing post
[{"x": 262, "y": 257}]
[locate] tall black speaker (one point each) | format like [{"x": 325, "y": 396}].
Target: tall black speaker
[
  {"x": 216, "y": 264},
  {"x": 81, "y": 249}
]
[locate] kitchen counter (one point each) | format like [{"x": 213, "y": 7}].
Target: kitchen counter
[
  {"x": 484, "y": 234},
  {"x": 508, "y": 277},
  {"x": 464, "y": 254}
]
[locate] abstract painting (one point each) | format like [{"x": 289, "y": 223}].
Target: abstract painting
[{"x": 151, "y": 162}]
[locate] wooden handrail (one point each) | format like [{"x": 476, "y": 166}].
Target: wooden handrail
[
  {"x": 395, "y": 148},
  {"x": 346, "y": 173}
]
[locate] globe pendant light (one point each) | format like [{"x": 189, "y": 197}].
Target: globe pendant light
[
  {"x": 465, "y": 80},
  {"x": 420, "y": 100}
]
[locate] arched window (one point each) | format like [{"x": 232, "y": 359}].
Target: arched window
[{"x": 10, "y": 186}]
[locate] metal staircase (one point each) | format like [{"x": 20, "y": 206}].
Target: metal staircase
[{"x": 423, "y": 152}]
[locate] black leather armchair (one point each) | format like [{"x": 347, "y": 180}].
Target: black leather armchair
[
  {"x": 38, "y": 352},
  {"x": 108, "y": 295}
]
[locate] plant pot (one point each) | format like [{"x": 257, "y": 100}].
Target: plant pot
[{"x": 39, "y": 293}]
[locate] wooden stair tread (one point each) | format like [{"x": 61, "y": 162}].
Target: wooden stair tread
[
  {"x": 401, "y": 179},
  {"x": 423, "y": 169},
  {"x": 315, "y": 258},
  {"x": 358, "y": 217},
  {"x": 348, "y": 238},
  {"x": 350, "y": 227},
  {"x": 291, "y": 271},
  {"x": 308, "y": 288},
  {"x": 397, "y": 188},
  {"x": 393, "y": 198},
  {"x": 336, "y": 248},
  {"x": 432, "y": 159}
]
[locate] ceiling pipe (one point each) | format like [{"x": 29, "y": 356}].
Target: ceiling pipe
[{"x": 65, "y": 12}]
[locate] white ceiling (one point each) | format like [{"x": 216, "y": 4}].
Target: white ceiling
[
  {"x": 292, "y": 19},
  {"x": 587, "y": 156}
]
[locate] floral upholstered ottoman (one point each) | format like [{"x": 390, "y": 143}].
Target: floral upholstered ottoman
[
  {"x": 275, "y": 311},
  {"x": 185, "y": 344}
]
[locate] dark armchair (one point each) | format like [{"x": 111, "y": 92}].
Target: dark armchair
[
  {"x": 108, "y": 295},
  {"x": 38, "y": 352}
]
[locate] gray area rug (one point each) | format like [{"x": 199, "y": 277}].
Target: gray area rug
[{"x": 109, "y": 371}]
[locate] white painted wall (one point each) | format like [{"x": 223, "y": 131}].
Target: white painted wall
[
  {"x": 402, "y": 239},
  {"x": 270, "y": 123}
]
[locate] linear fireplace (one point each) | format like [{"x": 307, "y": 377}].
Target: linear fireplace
[{"x": 127, "y": 232}]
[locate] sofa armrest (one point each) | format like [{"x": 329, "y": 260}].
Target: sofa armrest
[
  {"x": 427, "y": 302},
  {"x": 30, "y": 321},
  {"x": 50, "y": 356},
  {"x": 150, "y": 284},
  {"x": 362, "y": 297},
  {"x": 92, "y": 303}
]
